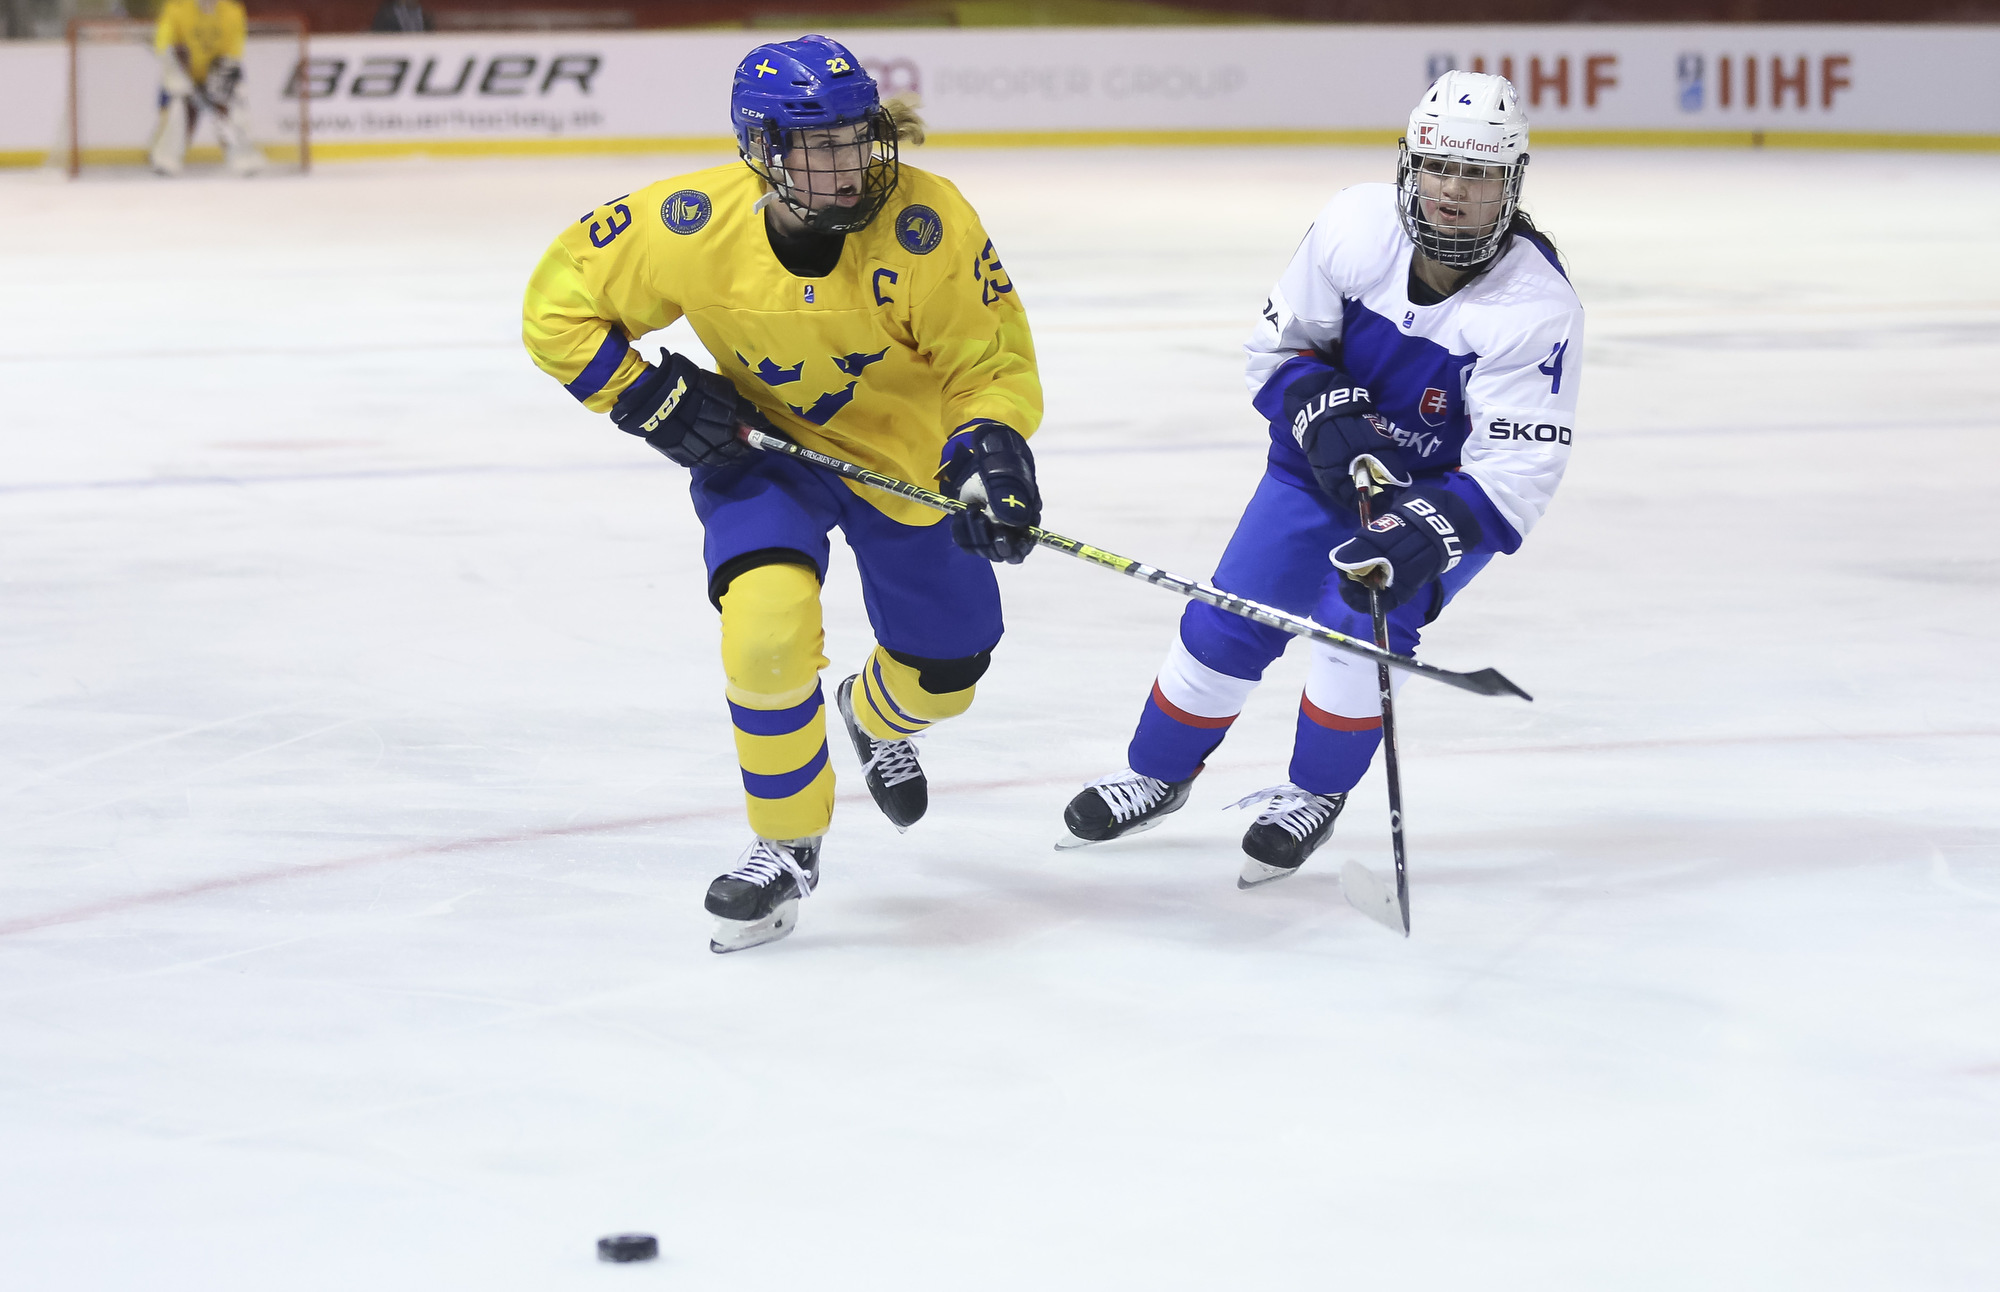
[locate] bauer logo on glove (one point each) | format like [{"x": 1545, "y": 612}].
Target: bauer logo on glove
[
  {"x": 1426, "y": 533},
  {"x": 1327, "y": 401},
  {"x": 1333, "y": 418}
]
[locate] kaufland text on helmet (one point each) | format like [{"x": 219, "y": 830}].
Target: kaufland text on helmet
[{"x": 1468, "y": 145}]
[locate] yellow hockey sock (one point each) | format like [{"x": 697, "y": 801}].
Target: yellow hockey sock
[
  {"x": 891, "y": 704},
  {"x": 771, "y": 653}
]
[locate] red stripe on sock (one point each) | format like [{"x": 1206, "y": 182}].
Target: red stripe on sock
[
  {"x": 1333, "y": 721},
  {"x": 1181, "y": 715}
]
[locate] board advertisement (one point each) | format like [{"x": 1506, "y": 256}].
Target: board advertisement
[{"x": 460, "y": 94}]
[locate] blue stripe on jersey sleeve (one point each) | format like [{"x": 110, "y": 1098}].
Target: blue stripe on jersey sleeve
[{"x": 601, "y": 366}]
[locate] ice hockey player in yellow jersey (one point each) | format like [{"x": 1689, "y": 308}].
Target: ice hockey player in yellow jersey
[
  {"x": 856, "y": 306},
  {"x": 200, "y": 48}
]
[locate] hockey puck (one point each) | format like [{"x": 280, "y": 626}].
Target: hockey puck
[{"x": 627, "y": 1247}]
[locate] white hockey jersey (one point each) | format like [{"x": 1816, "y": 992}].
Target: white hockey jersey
[{"x": 1482, "y": 385}]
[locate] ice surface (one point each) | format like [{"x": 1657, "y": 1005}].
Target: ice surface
[{"x": 364, "y": 764}]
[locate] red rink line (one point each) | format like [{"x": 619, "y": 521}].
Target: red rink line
[
  {"x": 159, "y": 896},
  {"x": 164, "y": 895}
]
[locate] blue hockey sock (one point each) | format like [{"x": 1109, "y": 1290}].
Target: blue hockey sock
[
  {"x": 1171, "y": 743},
  {"x": 1331, "y": 753}
]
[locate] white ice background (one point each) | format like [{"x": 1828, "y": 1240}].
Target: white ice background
[{"x": 364, "y": 762}]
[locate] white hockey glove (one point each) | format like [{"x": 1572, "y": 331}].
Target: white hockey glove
[
  {"x": 174, "y": 78},
  {"x": 220, "y": 85}
]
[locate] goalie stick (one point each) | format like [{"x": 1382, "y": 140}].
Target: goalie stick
[
  {"x": 1486, "y": 681},
  {"x": 1358, "y": 884}
]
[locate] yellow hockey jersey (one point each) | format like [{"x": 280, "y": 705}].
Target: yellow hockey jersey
[
  {"x": 915, "y": 332},
  {"x": 206, "y": 37}
]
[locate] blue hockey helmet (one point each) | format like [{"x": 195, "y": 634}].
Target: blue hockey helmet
[{"x": 788, "y": 97}]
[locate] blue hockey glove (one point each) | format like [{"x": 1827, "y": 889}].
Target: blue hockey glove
[
  {"x": 1334, "y": 420},
  {"x": 1427, "y": 531},
  {"x": 988, "y": 466},
  {"x": 687, "y": 413}
]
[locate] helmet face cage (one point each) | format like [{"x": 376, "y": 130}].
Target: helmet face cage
[
  {"x": 799, "y": 165},
  {"x": 1464, "y": 186}
]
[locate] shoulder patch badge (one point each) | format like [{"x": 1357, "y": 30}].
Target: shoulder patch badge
[
  {"x": 686, "y": 211},
  {"x": 919, "y": 230}
]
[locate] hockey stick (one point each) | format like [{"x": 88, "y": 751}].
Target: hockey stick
[
  {"x": 1486, "y": 681},
  {"x": 1357, "y": 883}
]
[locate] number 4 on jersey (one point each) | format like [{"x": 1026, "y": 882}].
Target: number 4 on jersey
[{"x": 1552, "y": 367}]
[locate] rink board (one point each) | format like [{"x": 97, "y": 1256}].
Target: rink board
[{"x": 541, "y": 93}]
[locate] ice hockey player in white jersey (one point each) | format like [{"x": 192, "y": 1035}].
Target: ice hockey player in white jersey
[{"x": 1424, "y": 331}]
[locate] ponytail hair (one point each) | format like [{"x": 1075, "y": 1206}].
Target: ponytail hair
[
  {"x": 903, "y": 114},
  {"x": 1524, "y": 227}
]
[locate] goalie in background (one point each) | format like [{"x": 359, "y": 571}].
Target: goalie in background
[{"x": 200, "y": 47}]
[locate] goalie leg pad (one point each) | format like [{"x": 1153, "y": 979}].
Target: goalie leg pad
[
  {"x": 170, "y": 140},
  {"x": 772, "y": 653},
  {"x": 240, "y": 153}
]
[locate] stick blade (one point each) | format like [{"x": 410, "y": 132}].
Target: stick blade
[
  {"x": 1490, "y": 681},
  {"x": 1372, "y": 897}
]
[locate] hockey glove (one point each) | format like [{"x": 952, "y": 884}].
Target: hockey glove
[
  {"x": 174, "y": 78},
  {"x": 219, "y": 86},
  {"x": 987, "y": 465},
  {"x": 687, "y": 413},
  {"x": 1334, "y": 420},
  {"x": 1426, "y": 532}
]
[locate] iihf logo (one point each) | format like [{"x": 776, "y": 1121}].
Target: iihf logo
[{"x": 1434, "y": 407}]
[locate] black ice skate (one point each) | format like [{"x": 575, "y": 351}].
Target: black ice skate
[
  {"x": 1128, "y": 803},
  {"x": 889, "y": 766},
  {"x": 1290, "y": 824},
  {"x": 758, "y": 901}
]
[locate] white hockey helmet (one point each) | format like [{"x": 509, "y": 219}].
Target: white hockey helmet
[{"x": 1468, "y": 124}]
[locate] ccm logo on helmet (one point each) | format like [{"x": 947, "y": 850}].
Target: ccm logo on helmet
[
  {"x": 666, "y": 410},
  {"x": 1542, "y": 433}
]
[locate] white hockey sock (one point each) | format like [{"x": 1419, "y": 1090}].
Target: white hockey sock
[{"x": 1345, "y": 686}]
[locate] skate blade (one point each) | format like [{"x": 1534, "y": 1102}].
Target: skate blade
[
  {"x": 741, "y": 935},
  {"x": 1070, "y": 841},
  {"x": 1258, "y": 873},
  {"x": 1373, "y": 898}
]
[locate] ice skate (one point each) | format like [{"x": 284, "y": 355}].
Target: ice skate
[
  {"x": 1125, "y": 804},
  {"x": 1291, "y": 823},
  {"x": 758, "y": 902},
  {"x": 890, "y": 767}
]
